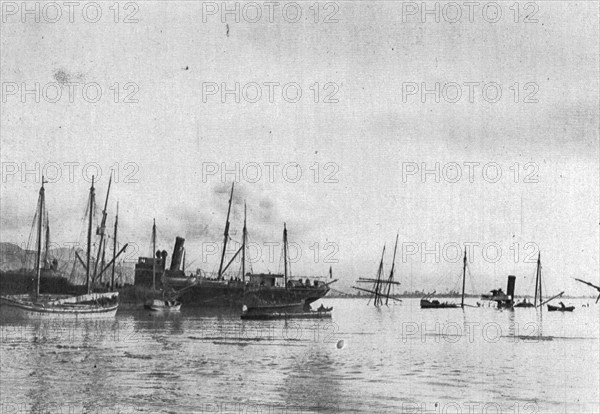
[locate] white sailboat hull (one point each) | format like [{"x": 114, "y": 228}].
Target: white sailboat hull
[{"x": 76, "y": 307}]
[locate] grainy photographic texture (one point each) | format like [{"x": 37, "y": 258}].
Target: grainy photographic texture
[{"x": 299, "y": 207}]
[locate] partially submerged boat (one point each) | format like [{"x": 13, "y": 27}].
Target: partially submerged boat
[
  {"x": 158, "y": 305},
  {"x": 38, "y": 306},
  {"x": 381, "y": 288},
  {"x": 428, "y": 303}
]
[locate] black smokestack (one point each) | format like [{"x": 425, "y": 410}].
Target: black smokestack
[
  {"x": 177, "y": 253},
  {"x": 510, "y": 287}
]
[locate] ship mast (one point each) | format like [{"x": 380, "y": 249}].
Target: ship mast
[
  {"x": 102, "y": 226},
  {"x": 377, "y": 287},
  {"x": 225, "y": 234},
  {"x": 391, "y": 278},
  {"x": 103, "y": 259},
  {"x": 537, "y": 284},
  {"x": 154, "y": 254},
  {"x": 89, "y": 237},
  {"x": 47, "y": 225},
  {"x": 285, "y": 267},
  {"x": 112, "y": 278},
  {"x": 462, "y": 298},
  {"x": 540, "y": 279},
  {"x": 38, "y": 269},
  {"x": 244, "y": 235}
]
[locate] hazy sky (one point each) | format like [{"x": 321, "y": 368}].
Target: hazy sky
[{"x": 361, "y": 142}]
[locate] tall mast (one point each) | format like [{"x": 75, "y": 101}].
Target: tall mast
[
  {"x": 462, "y": 298},
  {"x": 226, "y": 234},
  {"x": 102, "y": 225},
  {"x": 540, "y": 278},
  {"x": 537, "y": 283},
  {"x": 112, "y": 277},
  {"x": 154, "y": 254},
  {"x": 47, "y": 248},
  {"x": 391, "y": 278},
  {"x": 89, "y": 237},
  {"x": 39, "y": 240},
  {"x": 244, "y": 235},
  {"x": 285, "y": 267},
  {"x": 103, "y": 258},
  {"x": 378, "y": 282}
]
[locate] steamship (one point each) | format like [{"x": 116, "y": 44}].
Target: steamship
[{"x": 250, "y": 290}]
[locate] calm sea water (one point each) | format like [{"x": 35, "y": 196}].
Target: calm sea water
[{"x": 394, "y": 359}]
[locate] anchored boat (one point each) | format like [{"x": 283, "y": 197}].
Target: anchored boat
[
  {"x": 561, "y": 308},
  {"x": 38, "y": 306},
  {"x": 158, "y": 305},
  {"x": 428, "y": 303},
  {"x": 273, "y": 313},
  {"x": 245, "y": 289}
]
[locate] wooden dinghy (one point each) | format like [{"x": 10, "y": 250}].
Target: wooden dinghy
[{"x": 158, "y": 305}]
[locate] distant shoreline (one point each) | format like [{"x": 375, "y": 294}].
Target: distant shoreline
[{"x": 414, "y": 296}]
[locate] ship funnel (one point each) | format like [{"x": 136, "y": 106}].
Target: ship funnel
[
  {"x": 510, "y": 287},
  {"x": 177, "y": 253}
]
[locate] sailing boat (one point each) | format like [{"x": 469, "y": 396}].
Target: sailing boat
[
  {"x": 537, "y": 299},
  {"x": 428, "y": 303},
  {"x": 381, "y": 288},
  {"x": 247, "y": 287},
  {"x": 37, "y": 306},
  {"x": 163, "y": 305}
]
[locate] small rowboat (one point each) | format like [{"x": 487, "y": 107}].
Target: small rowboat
[
  {"x": 552, "y": 308},
  {"x": 158, "y": 305}
]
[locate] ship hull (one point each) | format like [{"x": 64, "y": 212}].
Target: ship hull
[
  {"x": 235, "y": 294},
  {"x": 427, "y": 304},
  {"x": 18, "y": 306}
]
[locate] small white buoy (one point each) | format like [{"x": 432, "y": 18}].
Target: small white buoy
[{"x": 340, "y": 344}]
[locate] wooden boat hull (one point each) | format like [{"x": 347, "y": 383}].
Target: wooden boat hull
[
  {"x": 266, "y": 316},
  {"x": 523, "y": 305},
  {"x": 285, "y": 307},
  {"x": 560, "y": 309},
  {"x": 163, "y": 306},
  {"x": 427, "y": 304},
  {"x": 79, "y": 307}
]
